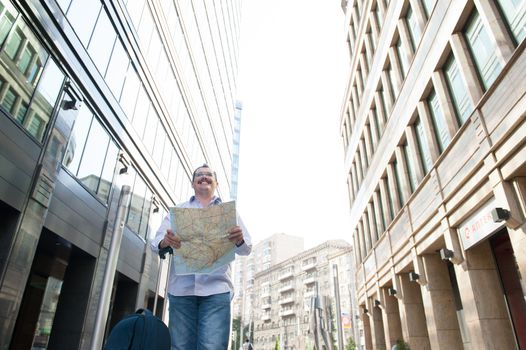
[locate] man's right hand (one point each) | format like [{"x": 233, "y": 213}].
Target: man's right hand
[{"x": 170, "y": 240}]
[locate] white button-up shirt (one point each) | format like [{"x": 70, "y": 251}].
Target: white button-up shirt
[{"x": 204, "y": 284}]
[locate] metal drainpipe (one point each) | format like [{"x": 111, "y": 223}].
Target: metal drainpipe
[{"x": 111, "y": 266}]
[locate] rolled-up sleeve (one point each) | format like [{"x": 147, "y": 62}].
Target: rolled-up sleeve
[
  {"x": 246, "y": 247},
  {"x": 159, "y": 235}
]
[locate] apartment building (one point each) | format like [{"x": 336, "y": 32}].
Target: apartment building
[
  {"x": 96, "y": 96},
  {"x": 433, "y": 125},
  {"x": 266, "y": 253},
  {"x": 287, "y": 295}
]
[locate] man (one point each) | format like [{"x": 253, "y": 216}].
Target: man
[{"x": 200, "y": 303}]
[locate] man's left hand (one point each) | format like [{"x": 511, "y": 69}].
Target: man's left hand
[{"x": 235, "y": 235}]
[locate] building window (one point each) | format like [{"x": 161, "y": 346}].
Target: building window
[
  {"x": 482, "y": 50},
  {"x": 412, "y": 26},
  {"x": 82, "y": 16},
  {"x": 140, "y": 205},
  {"x": 458, "y": 90},
  {"x": 398, "y": 171},
  {"x": 32, "y": 77},
  {"x": 402, "y": 57},
  {"x": 91, "y": 155},
  {"x": 514, "y": 12},
  {"x": 423, "y": 146},
  {"x": 439, "y": 121},
  {"x": 428, "y": 6},
  {"x": 413, "y": 181}
]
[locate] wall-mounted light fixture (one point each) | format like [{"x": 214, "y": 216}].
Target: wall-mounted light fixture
[
  {"x": 365, "y": 311},
  {"x": 446, "y": 254},
  {"x": 500, "y": 214},
  {"x": 391, "y": 291},
  {"x": 124, "y": 164},
  {"x": 377, "y": 302},
  {"x": 413, "y": 276},
  {"x": 71, "y": 105}
]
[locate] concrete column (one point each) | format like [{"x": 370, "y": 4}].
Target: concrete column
[
  {"x": 377, "y": 326},
  {"x": 391, "y": 318},
  {"x": 437, "y": 296},
  {"x": 412, "y": 314},
  {"x": 367, "y": 331},
  {"x": 518, "y": 236},
  {"x": 482, "y": 300}
]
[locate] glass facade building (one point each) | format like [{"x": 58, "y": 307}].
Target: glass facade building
[
  {"x": 95, "y": 95},
  {"x": 433, "y": 130}
]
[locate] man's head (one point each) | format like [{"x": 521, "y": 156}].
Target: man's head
[{"x": 204, "y": 180}]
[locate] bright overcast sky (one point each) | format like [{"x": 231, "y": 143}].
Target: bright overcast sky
[{"x": 293, "y": 67}]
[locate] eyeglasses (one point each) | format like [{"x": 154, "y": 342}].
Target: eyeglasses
[{"x": 207, "y": 174}]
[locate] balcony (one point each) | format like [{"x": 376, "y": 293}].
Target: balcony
[
  {"x": 285, "y": 275},
  {"x": 309, "y": 266},
  {"x": 286, "y": 288},
  {"x": 285, "y": 301},
  {"x": 285, "y": 313},
  {"x": 309, "y": 280},
  {"x": 266, "y": 306},
  {"x": 265, "y": 294},
  {"x": 265, "y": 318}
]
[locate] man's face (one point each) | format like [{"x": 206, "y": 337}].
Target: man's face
[{"x": 204, "y": 181}]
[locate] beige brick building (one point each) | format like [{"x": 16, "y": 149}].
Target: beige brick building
[
  {"x": 284, "y": 295},
  {"x": 433, "y": 125}
]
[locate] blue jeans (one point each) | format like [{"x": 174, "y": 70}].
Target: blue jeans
[{"x": 200, "y": 323}]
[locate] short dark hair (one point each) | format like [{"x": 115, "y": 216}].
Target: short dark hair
[{"x": 203, "y": 166}]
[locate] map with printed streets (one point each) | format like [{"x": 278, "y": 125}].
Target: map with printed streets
[{"x": 203, "y": 232}]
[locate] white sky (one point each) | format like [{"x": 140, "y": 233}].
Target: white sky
[{"x": 293, "y": 68}]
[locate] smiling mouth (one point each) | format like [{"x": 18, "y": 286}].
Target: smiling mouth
[{"x": 204, "y": 180}]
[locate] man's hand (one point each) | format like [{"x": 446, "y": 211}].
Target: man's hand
[
  {"x": 235, "y": 235},
  {"x": 170, "y": 240}
]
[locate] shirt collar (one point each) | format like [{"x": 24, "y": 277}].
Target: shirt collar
[{"x": 215, "y": 200}]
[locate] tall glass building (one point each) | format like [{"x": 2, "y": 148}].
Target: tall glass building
[
  {"x": 95, "y": 95},
  {"x": 434, "y": 130}
]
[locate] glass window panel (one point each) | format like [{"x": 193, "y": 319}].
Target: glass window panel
[
  {"x": 90, "y": 169},
  {"x": 423, "y": 146},
  {"x": 145, "y": 28},
  {"x": 101, "y": 43},
  {"x": 82, "y": 16},
  {"x": 167, "y": 157},
  {"x": 428, "y": 6},
  {"x": 458, "y": 90},
  {"x": 402, "y": 57},
  {"x": 135, "y": 8},
  {"x": 159, "y": 145},
  {"x": 136, "y": 204},
  {"x": 483, "y": 50},
  {"x": 15, "y": 43},
  {"x": 143, "y": 228},
  {"x": 129, "y": 92},
  {"x": 414, "y": 29},
  {"x": 8, "y": 14},
  {"x": 151, "y": 131},
  {"x": 141, "y": 112},
  {"x": 413, "y": 181},
  {"x": 515, "y": 14},
  {"x": 77, "y": 139},
  {"x": 398, "y": 170},
  {"x": 117, "y": 69},
  {"x": 107, "y": 172},
  {"x": 439, "y": 121},
  {"x": 64, "y": 4},
  {"x": 44, "y": 101}
]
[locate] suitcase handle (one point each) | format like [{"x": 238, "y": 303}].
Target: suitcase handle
[{"x": 163, "y": 251}]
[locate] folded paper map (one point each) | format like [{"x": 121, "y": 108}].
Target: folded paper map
[{"x": 203, "y": 232}]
